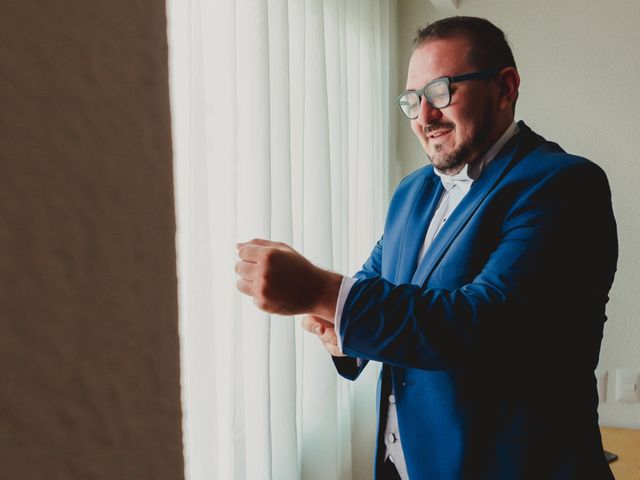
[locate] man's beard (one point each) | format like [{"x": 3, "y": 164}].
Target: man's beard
[
  {"x": 468, "y": 152},
  {"x": 452, "y": 161}
]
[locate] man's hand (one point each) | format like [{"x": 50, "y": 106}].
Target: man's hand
[
  {"x": 325, "y": 332},
  {"x": 282, "y": 281}
]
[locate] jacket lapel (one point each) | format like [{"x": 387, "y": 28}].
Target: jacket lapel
[
  {"x": 515, "y": 149},
  {"x": 424, "y": 207}
]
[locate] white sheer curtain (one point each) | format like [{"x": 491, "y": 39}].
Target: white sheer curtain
[{"x": 280, "y": 131}]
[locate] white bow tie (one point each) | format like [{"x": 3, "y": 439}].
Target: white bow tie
[{"x": 460, "y": 179}]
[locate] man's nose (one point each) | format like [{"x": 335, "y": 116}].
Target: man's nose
[{"x": 427, "y": 114}]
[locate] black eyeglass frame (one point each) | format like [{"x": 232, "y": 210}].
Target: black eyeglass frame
[{"x": 480, "y": 75}]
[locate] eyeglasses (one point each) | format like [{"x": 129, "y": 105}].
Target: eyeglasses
[{"x": 437, "y": 92}]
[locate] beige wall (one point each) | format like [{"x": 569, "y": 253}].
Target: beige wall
[
  {"x": 580, "y": 69},
  {"x": 89, "y": 372}
]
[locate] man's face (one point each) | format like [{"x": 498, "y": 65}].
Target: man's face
[{"x": 461, "y": 132}]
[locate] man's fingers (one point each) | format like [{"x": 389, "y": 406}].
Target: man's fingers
[
  {"x": 246, "y": 269},
  {"x": 325, "y": 332},
  {"x": 323, "y": 329},
  {"x": 332, "y": 348},
  {"x": 250, "y": 253},
  {"x": 263, "y": 243},
  {"x": 311, "y": 323},
  {"x": 314, "y": 324},
  {"x": 328, "y": 336},
  {"x": 259, "y": 242},
  {"x": 245, "y": 286}
]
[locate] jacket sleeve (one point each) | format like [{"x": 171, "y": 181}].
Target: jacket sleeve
[
  {"x": 350, "y": 367},
  {"x": 546, "y": 279}
]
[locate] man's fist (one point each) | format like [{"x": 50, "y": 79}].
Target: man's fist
[{"x": 282, "y": 281}]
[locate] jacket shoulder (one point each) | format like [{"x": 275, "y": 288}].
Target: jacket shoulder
[
  {"x": 549, "y": 159},
  {"x": 415, "y": 180}
]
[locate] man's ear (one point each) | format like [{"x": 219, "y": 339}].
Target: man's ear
[{"x": 508, "y": 83}]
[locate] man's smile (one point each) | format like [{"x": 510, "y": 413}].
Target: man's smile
[{"x": 439, "y": 133}]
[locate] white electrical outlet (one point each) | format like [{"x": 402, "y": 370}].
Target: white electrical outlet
[
  {"x": 628, "y": 386},
  {"x": 601, "y": 377}
]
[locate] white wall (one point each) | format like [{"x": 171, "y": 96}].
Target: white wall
[{"x": 580, "y": 66}]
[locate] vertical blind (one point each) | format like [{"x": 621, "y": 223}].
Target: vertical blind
[{"x": 280, "y": 131}]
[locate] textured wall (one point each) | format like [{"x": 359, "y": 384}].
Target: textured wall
[
  {"x": 579, "y": 66},
  {"x": 89, "y": 370}
]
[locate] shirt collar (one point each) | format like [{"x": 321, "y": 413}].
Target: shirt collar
[{"x": 460, "y": 179}]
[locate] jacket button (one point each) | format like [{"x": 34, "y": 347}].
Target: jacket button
[{"x": 392, "y": 399}]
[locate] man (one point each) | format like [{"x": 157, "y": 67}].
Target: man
[{"x": 485, "y": 297}]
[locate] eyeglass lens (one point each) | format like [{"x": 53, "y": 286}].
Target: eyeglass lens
[{"x": 436, "y": 93}]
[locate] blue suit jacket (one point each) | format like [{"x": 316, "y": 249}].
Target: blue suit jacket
[{"x": 490, "y": 343}]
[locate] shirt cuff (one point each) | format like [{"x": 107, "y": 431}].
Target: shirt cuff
[{"x": 345, "y": 288}]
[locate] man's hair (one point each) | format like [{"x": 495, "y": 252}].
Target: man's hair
[{"x": 489, "y": 46}]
